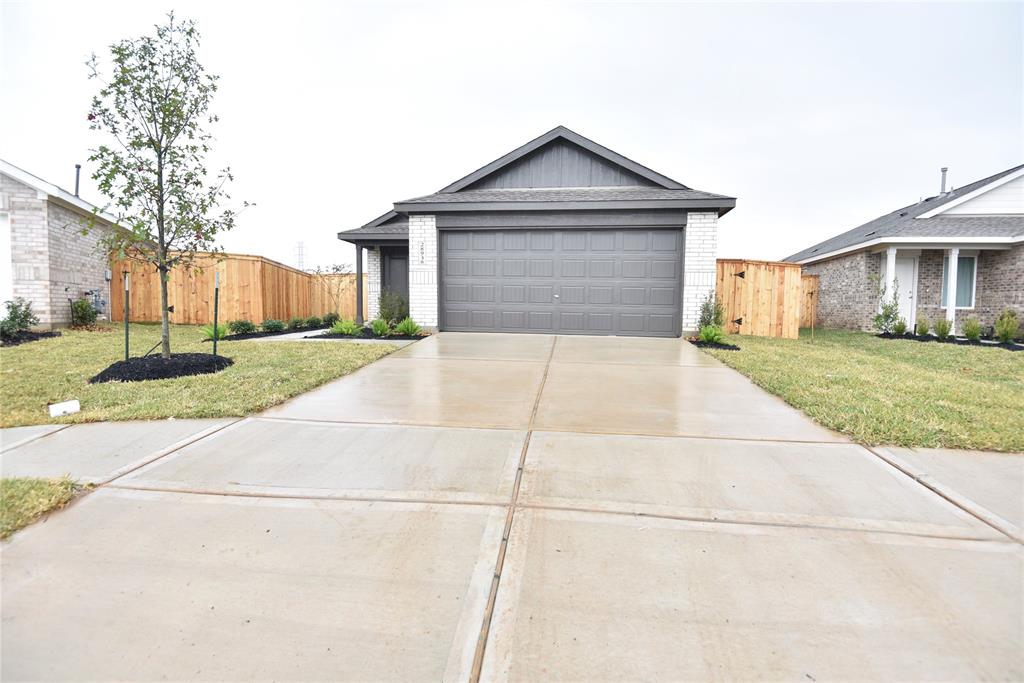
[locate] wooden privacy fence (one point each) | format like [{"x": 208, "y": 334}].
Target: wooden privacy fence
[
  {"x": 251, "y": 288},
  {"x": 760, "y": 298},
  {"x": 808, "y": 300}
]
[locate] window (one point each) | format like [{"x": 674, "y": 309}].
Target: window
[{"x": 966, "y": 272}]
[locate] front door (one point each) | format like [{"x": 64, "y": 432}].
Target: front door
[
  {"x": 906, "y": 286},
  {"x": 396, "y": 270}
]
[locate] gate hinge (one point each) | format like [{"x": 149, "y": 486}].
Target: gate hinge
[
  {"x": 737, "y": 321},
  {"x": 742, "y": 275}
]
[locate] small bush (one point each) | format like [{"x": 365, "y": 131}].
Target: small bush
[
  {"x": 712, "y": 313},
  {"x": 922, "y": 326},
  {"x": 19, "y": 318},
  {"x": 393, "y": 306},
  {"x": 241, "y": 326},
  {"x": 296, "y": 323},
  {"x": 900, "y": 327},
  {"x": 83, "y": 314},
  {"x": 209, "y": 331},
  {"x": 1007, "y": 326},
  {"x": 380, "y": 327},
  {"x": 313, "y": 322},
  {"x": 942, "y": 328},
  {"x": 407, "y": 327},
  {"x": 888, "y": 312},
  {"x": 711, "y": 334},
  {"x": 972, "y": 329},
  {"x": 271, "y": 325},
  {"x": 331, "y": 318},
  {"x": 349, "y": 327}
]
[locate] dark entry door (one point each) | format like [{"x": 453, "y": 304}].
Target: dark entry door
[{"x": 396, "y": 270}]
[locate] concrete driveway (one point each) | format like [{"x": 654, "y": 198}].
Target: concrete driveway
[{"x": 512, "y": 507}]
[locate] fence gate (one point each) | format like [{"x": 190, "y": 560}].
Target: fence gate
[{"x": 760, "y": 298}]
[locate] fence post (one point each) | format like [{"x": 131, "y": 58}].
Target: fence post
[{"x": 126, "y": 316}]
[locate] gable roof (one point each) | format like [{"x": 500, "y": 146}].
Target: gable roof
[
  {"x": 51, "y": 190},
  {"x": 918, "y": 222}
]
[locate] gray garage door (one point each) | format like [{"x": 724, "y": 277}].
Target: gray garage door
[{"x": 624, "y": 282}]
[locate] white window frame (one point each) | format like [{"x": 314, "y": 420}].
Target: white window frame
[{"x": 945, "y": 277}]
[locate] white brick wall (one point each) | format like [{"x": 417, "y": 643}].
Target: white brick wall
[
  {"x": 373, "y": 280},
  {"x": 423, "y": 270},
  {"x": 698, "y": 264}
]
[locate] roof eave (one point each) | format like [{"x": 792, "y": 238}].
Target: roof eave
[
  {"x": 372, "y": 238},
  {"x": 916, "y": 242}
]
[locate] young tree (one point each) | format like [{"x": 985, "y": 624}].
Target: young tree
[{"x": 154, "y": 107}]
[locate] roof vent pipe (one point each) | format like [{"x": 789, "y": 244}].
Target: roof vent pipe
[
  {"x": 943, "y": 189},
  {"x": 78, "y": 172}
]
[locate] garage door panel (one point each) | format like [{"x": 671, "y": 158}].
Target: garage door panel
[{"x": 611, "y": 281}]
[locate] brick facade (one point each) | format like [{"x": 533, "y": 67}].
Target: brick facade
[
  {"x": 698, "y": 264},
  {"x": 51, "y": 260},
  {"x": 373, "y": 282},
  {"x": 423, "y": 270},
  {"x": 847, "y": 290}
]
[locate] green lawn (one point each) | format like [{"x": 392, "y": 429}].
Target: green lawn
[
  {"x": 899, "y": 392},
  {"x": 264, "y": 373},
  {"x": 22, "y": 501}
]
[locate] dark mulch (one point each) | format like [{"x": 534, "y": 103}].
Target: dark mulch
[
  {"x": 156, "y": 367},
  {"x": 26, "y": 337},
  {"x": 958, "y": 341},
  {"x": 366, "y": 333},
  {"x": 257, "y": 335},
  {"x": 713, "y": 345}
]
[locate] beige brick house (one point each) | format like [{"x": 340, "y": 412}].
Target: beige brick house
[
  {"x": 44, "y": 257},
  {"x": 972, "y": 236}
]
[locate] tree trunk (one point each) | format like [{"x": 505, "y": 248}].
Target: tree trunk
[{"x": 165, "y": 322}]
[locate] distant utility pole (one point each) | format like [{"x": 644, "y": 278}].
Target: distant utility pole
[{"x": 300, "y": 255}]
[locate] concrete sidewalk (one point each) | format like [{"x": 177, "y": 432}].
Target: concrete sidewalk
[{"x": 632, "y": 509}]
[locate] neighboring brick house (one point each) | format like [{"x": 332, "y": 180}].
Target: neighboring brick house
[
  {"x": 44, "y": 257},
  {"x": 972, "y": 236},
  {"x": 561, "y": 235}
]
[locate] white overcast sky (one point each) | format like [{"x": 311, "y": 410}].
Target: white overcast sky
[{"x": 817, "y": 117}]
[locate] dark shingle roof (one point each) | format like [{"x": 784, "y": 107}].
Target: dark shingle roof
[
  {"x": 562, "y": 194},
  {"x": 904, "y": 223}
]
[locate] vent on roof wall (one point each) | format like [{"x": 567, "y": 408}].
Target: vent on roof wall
[{"x": 869, "y": 234}]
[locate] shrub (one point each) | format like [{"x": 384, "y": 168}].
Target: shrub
[
  {"x": 313, "y": 322},
  {"x": 923, "y": 325},
  {"x": 972, "y": 329},
  {"x": 331, "y": 318},
  {"x": 271, "y": 325},
  {"x": 349, "y": 327},
  {"x": 943, "y": 328},
  {"x": 1006, "y": 326},
  {"x": 296, "y": 323},
  {"x": 900, "y": 327},
  {"x": 241, "y": 326},
  {"x": 380, "y": 327},
  {"x": 82, "y": 313},
  {"x": 209, "y": 331},
  {"x": 712, "y": 313},
  {"x": 711, "y": 334},
  {"x": 888, "y": 312},
  {"x": 393, "y": 306},
  {"x": 407, "y": 328},
  {"x": 19, "y": 318}
]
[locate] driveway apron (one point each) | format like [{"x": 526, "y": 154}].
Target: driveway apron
[{"x": 516, "y": 507}]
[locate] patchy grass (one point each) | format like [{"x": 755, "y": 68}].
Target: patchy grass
[
  {"x": 23, "y": 501},
  {"x": 899, "y": 392},
  {"x": 264, "y": 374}
]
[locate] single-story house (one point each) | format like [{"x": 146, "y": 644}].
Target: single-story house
[
  {"x": 561, "y": 235},
  {"x": 44, "y": 256},
  {"x": 972, "y": 236}
]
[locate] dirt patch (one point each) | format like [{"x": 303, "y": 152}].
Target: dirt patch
[
  {"x": 26, "y": 337},
  {"x": 257, "y": 335},
  {"x": 156, "y": 367}
]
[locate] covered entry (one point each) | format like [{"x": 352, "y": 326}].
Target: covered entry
[{"x": 570, "y": 281}]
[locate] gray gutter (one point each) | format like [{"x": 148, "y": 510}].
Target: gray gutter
[{"x": 723, "y": 205}]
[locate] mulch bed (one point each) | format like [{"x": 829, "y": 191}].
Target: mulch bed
[
  {"x": 958, "y": 341},
  {"x": 257, "y": 335},
  {"x": 156, "y": 367},
  {"x": 367, "y": 333},
  {"x": 713, "y": 345},
  {"x": 26, "y": 337}
]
